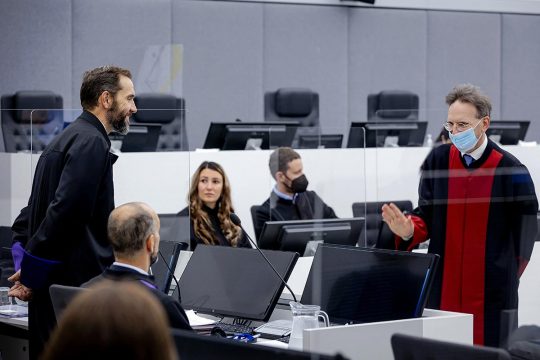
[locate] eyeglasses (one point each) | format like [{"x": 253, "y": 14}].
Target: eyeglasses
[{"x": 460, "y": 126}]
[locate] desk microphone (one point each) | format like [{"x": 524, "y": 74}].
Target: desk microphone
[{"x": 236, "y": 221}]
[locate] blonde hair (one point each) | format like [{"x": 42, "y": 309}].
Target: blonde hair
[{"x": 202, "y": 226}]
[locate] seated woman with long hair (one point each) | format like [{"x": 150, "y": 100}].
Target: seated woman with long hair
[{"x": 210, "y": 208}]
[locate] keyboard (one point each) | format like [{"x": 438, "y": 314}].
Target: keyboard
[{"x": 236, "y": 328}]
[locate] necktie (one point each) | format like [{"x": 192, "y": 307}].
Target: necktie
[{"x": 468, "y": 159}]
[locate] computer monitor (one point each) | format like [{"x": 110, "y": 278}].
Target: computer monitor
[
  {"x": 507, "y": 132},
  {"x": 360, "y": 285},
  {"x": 140, "y": 138},
  {"x": 170, "y": 251},
  {"x": 174, "y": 227},
  {"x": 325, "y": 141},
  {"x": 250, "y": 135},
  {"x": 235, "y": 282},
  {"x": 293, "y": 235},
  {"x": 386, "y": 133}
]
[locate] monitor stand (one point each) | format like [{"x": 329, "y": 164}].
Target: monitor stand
[{"x": 254, "y": 144}]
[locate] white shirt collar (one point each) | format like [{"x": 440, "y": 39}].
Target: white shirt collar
[
  {"x": 477, "y": 154},
  {"x": 139, "y": 270}
]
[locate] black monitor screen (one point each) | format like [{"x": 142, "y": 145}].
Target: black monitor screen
[
  {"x": 170, "y": 251},
  {"x": 234, "y": 282},
  {"x": 140, "y": 138},
  {"x": 293, "y": 235},
  {"x": 387, "y": 133},
  {"x": 325, "y": 141},
  {"x": 358, "y": 285},
  {"x": 507, "y": 132},
  {"x": 250, "y": 135},
  {"x": 174, "y": 227}
]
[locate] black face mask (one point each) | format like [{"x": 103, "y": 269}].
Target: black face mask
[{"x": 300, "y": 184}]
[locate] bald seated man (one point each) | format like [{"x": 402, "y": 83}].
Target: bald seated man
[{"x": 133, "y": 231}]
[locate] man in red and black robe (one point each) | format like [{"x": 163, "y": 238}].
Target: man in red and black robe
[{"x": 480, "y": 218}]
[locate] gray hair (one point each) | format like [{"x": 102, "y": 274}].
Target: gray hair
[
  {"x": 468, "y": 93},
  {"x": 129, "y": 226}
]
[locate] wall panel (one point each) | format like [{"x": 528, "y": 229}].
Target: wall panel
[
  {"x": 120, "y": 32},
  {"x": 223, "y": 62},
  {"x": 306, "y": 46},
  {"x": 462, "y": 48},
  {"x": 387, "y": 51},
  {"x": 521, "y": 71},
  {"x": 36, "y": 46}
]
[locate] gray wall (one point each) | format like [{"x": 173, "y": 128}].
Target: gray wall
[{"x": 235, "y": 51}]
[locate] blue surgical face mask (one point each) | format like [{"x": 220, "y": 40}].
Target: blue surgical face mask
[{"x": 465, "y": 140}]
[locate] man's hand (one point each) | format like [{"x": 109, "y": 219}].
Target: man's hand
[
  {"x": 19, "y": 290},
  {"x": 400, "y": 224}
]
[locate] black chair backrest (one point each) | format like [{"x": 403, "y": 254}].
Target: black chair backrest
[
  {"x": 30, "y": 120},
  {"x": 6, "y": 260},
  {"x": 377, "y": 233},
  {"x": 6, "y": 236},
  {"x": 61, "y": 296},
  {"x": 407, "y": 347},
  {"x": 253, "y": 210},
  {"x": 191, "y": 346},
  {"x": 392, "y": 105},
  {"x": 169, "y": 112},
  {"x": 296, "y": 104}
]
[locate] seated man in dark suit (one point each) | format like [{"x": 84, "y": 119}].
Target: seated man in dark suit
[
  {"x": 133, "y": 230},
  {"x": 290, "y": 199}
]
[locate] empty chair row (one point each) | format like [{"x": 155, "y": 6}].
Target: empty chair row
[{"x": 31, "y": 119}]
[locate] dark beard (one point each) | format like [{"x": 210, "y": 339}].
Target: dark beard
[{"x": 117, "y": 121}]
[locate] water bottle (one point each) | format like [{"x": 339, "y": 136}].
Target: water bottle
[{"x": 428, "y": 142}]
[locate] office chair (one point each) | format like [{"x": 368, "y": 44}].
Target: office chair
[
  {"x": 169, "y": 112},
  {"x": 392, "y": 105},
  {"x": 30, "y": 120},
  {"x": 61, "y": 296},
  {"x": 6, "y": 260},
  {"x": 294, "y": 104},
  {"x": 377, "y": 233},
  {"x": 253, "y": 210},
  {"x": 407, "y": 347}
]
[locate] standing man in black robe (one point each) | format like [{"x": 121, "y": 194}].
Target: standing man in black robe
[
  {"x": 477, "y": 205},
  {"x": 60, "y": 237}
]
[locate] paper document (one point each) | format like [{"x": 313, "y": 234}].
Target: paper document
[{"x": 196, "y": 320}]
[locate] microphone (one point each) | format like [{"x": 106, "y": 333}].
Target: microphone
[{"x": 236, "y": 221}]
